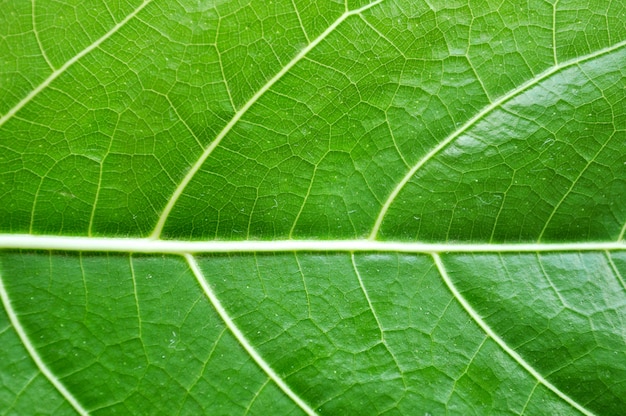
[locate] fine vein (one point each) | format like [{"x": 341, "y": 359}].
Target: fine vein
[
  {"x": 554, "y": 53},
  {"x": 146, "y": 245},
  {"x": 570, "y": 189},
  {"x": 36, "y": 32},
  {"x": 622, "y": 233},
  {"x": 234, "y": 329},
  {"x": 19, "y": 329},
  {"x": 383, "y": 339},
  {"x": 240, "y": 113},
  {"x": 55, "y": 74},
  {"x": 615, "y": 270},
  {"x": 482, "y": 113},
  {"x": 491, "y": 333}
]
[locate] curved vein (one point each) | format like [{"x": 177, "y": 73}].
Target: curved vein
[
  {"x": 615, "y": 270},
  {"x": 491, "y": 333},
  {"x": 570, "y": 189},
  {"x": 19, "y": 329},
  {"x": 55, "y": 74},
  {"x": 36, "y": 32},
  {"x": 383, "y": 339},
  {"x": 482, "y": 113},
  {"x": 554, "y": 53},
  {"x": 156, "y": 233},
  {"x": 241, "y": 338},
  {"x": 622, "y": 233}
]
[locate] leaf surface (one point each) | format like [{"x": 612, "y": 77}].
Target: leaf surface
[{"x": 387, "y": 207}]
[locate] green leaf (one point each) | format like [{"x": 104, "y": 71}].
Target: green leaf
[{"x": 289, "y": 207}]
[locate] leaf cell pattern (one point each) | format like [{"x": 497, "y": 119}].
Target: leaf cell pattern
[{"x": 484, "y": 140}]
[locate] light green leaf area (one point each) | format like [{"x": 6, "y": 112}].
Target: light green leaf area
[{"x": 335, "y": 208}]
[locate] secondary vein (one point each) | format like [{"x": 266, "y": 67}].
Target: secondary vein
[
  {"x": 34, "y": 355},
  {"x": 482, "y": 113},
  {"x": 55, "y": 74},
  {"x": 241, "y": 338},
  {"x": 158, "y": 229},
  {"x": 491, "y": 333}
]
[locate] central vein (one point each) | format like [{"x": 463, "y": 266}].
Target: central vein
[{"x": 147, "y": 245}]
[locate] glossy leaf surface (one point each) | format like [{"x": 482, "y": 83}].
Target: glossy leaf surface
[{"x": 252, "y": 207}]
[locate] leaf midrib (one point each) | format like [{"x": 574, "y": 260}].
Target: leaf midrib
[
  {"x": 147, "y": 245},
  {"x": 17, "y": 241}
]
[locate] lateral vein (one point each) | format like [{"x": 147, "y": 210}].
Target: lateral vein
[
  {"x": 195, "y": 168},
  {"x": 241, "y": 338},
  {"x": 55, "y": 74},
  {"x": 486, "y": 110},
  {"x": 34, "y": 355},
  {"x": 501, "y": 343}
]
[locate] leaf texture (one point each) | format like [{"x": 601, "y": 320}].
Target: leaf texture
[{"x": 251, "y": 207}]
